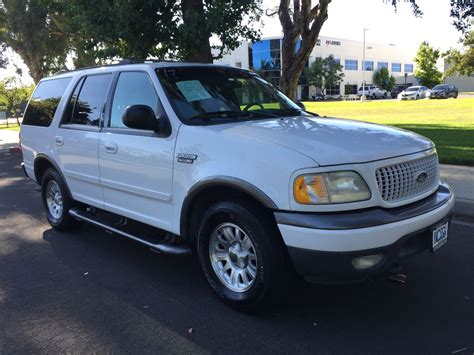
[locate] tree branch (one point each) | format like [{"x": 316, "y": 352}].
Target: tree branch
[{"x": 284, "y": 14}]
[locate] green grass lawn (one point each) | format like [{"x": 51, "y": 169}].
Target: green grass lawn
[
  {"x": 11, "y": 126},
  {"x": 449, "y": 123}
]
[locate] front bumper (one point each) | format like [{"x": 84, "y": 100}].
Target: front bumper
[{"x": 323, "y": 245}]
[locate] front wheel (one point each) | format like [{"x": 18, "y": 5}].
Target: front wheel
[
  {"x": 417, "y": 97},
  {"x": 56, "y": 201},
  {"x": 374, "y": 96},
  {"x": 242, "y": 256}
]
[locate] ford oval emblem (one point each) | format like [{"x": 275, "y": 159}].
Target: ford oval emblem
[{"x": 421, "y": 177}]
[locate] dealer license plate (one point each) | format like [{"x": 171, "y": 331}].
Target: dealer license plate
[{"x": 439, "y": 236}]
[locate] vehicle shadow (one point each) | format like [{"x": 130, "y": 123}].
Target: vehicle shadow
[{"x": 171, "y": 290}]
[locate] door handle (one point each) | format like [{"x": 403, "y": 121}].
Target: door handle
[
  {"x": 58, "y": 140},
  {"x": 110, "y": 147}
]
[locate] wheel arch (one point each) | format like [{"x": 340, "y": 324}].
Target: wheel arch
[
  {"x": 42, "y": 163},
  {"x": 219, "y": 188}
]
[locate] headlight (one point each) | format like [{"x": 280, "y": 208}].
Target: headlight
[{"x": 333, "y": 187}]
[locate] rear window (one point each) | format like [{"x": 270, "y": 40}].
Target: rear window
[{"x": 44, "y": 102}]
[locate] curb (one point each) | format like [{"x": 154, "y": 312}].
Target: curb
[{"x": 10, "y": 150}]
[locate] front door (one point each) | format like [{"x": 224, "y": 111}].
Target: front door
[{"x": 136, "y": 166}]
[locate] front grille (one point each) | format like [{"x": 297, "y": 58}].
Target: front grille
[{"x": 406, "y": 180}]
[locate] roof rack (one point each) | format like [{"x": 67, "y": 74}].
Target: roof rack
[{"x": 124, "y": 61}]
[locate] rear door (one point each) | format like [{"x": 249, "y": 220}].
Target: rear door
[
  {"x": 77, "y": 138},
  {"x": 136, "y": 165}
]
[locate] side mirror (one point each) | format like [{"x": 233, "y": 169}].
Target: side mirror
[
  {"x": 301, "y": 105},
  {"x": 141, "y": 117}
]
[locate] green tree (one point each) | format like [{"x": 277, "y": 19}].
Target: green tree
[
  {"x": 383, "y": 79},
  {"x": 141, "y": 29},
  {"x": 27, "y": 28},
  {"x": 461, "y": 62},
  {"x": 14, "y": 95},
  {"x": 324, "y": 73},
  {"x": 426, "y": 71},
  {"x": 301, "y": 22}
]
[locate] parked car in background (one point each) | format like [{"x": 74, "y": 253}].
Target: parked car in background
[
  {"x": 398, "y": 89},
  {"x": 372, "y": 92},
  {"x": 444, "y": 91},
  {"x": 414, "y": 93}
]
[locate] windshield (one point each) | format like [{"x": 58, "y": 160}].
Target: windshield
[
  {"x": 221, "y": 94},
  {"x": 440, "y": 87},
  {"x": 413, "y": 88}
]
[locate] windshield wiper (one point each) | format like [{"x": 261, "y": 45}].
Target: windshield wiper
[
  {"x": 287, "y": 111},
  {"x": 231, "y": 114},
  {"x": 218, "y": 114}
]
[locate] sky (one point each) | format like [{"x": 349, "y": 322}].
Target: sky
[{"x": 348, "y": 18}]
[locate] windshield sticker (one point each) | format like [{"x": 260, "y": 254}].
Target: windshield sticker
[{"x": 193, "y": 90}]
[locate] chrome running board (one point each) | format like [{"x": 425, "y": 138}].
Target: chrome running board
[{"x": 166, "y": 248}]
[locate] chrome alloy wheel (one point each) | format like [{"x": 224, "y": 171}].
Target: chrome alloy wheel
[
  {"x": 233, "y": 257},
  {"x": 54, "y": 199}
]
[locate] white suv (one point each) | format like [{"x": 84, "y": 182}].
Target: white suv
[
  {"x": 373, "y": 92},
  {"x": 183, "y": 157}
]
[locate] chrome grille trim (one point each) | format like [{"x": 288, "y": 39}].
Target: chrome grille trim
[{"x": 399, "y": 181}]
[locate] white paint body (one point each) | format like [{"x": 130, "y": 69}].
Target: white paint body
[{"x": 140, "y": 178}]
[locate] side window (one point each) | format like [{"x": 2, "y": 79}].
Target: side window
[
  {"x": 44, "y": 102},
  {"x": 133, "y": 88},
  {"x": 90, "y": 100},
  {"x": 67, "y": 118}
]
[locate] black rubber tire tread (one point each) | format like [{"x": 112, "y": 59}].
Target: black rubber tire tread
[{"x": 274, "y": 271}]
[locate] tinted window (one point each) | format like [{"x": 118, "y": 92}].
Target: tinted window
[
  {"x": 45, "y": 101},
  {"x": 72, "y": 102},
  {"x": 89, "y": 103},
  {"x": 133, "y": 88}
]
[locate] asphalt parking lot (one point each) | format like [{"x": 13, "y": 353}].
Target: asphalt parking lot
[{"x": 89, "y": 292}]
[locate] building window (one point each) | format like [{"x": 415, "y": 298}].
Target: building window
[
  {"x": 368, "y": 65},
  {"x": 381, "y": 65},
  {"x": 238, "y": 64},
  {"x": 333, "y": 90},
  {"x": 396, "y": 67},
  {"x": 266, "y": 55},
  {"x": 350, "y": 89},
  {"x": 408, "y": 68},
  {"x": 350, "y": 64}
]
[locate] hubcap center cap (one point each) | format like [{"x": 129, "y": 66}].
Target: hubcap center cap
[{"x": 238, "y": 256}]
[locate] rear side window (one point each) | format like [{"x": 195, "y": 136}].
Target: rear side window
[{"x": 44, "y": 102}]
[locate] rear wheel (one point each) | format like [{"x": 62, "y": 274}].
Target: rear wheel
[
  {"x": 56, "y": 201},
  {"x": 242, "y": 256}
]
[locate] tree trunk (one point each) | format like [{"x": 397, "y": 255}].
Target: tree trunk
[
  {"x": 306, "y": 23},
  {"x": 196, "y": 32}
]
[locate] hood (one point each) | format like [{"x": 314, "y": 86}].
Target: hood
[{"x": 330, "y": 141}]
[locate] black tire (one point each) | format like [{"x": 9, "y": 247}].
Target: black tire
[
  {"x": 374, "y": 96},
  {"x": 63, "y": 221},
  {"x": 271, "y": 283},
  {"x": 385, "y": 95},
  {"x": 417, "y": 97}
]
